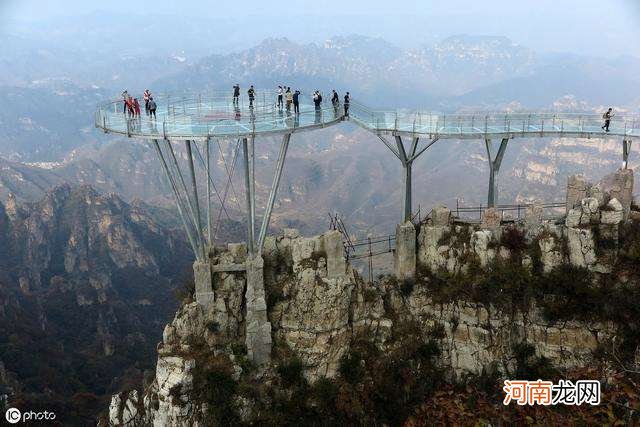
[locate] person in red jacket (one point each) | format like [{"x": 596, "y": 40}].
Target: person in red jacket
[
  {"x": 130, "y": 106},
  {"x": 136, "y": 107}
]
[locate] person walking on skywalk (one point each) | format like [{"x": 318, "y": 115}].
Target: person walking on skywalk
[
  {"x": 146, "y": 95},
  {"x": 125, "y": 96},
  {"x": 296, "y": 101},
  {"x": 288, "y": 97},
  {"x": 280, "y": 92},
  {"x": 152, "y": 107},
  {"x": 252, "y": 95},
  {"x": 236, "y": 93},
  {"x": 607, "y": 119},
  {"x": 335, "y": 101},
  {"x": 347, "y": 100}
]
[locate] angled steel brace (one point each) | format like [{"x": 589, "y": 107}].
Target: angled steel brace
[
  {"x": 423, "y": 149},
  {"x": 212, "y": 184},
  {"x": 274, "y": 189},
  {"x": 228, "y": 184},
  {"x": 626, "y": 151},
  {"x": 494, "y": 168},
  {"x": 389, "y": 146},
  {"x": 190, "y": 204},
  {"x": 179, "y": 202},
  {"x": 414, "y": 145}
]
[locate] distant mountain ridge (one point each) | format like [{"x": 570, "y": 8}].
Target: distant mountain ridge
[{"x": 450, "y": 74}]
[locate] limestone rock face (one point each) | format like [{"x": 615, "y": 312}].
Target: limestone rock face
[
  {"x": 480, "y": 243},
  {"x": 576, "y": 190},
  {"x": 614, "y": 214},
  {"x": 550, "y": 254},
  {"x": 440, "y": 216},
  {"x": 430, "y": 252},
  {"x": 619, "y": 185},
  {"x": 405, "y": 253},
  {"x": 316, "y": 304},
  {"x": 581, "y": 247},
  {"x": 491, "y": 218}
]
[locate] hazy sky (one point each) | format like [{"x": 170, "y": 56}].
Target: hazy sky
[{"x": 581, "y": 26}]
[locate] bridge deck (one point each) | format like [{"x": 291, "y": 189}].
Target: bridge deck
[{"x": 216, "y": 115}]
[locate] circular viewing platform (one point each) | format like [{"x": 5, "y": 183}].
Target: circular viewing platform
[{"x": 215, "y": 115}]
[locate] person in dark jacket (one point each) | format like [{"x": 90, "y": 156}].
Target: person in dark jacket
[
  {"x": 607, "y": 119},
  {"x": 152, "y": 107},
  {"x": 335, "y": 101},
  {"x": 347, "y": 100},
  {"x": 296, "y": 102},
  {"x": 252, "y": 95},
  {"x": 236, "y": 93}
]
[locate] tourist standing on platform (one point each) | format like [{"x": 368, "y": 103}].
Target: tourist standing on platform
[
  {"x": 252, "y": 95},
  {"x": 347, "y": 100},
  {"x": 236, "y": 93},
  {"x": 145, "y": 96},
  {"x": 280, "y": 93},
  {"x": 130, "y": 107},
  {"x": 136, "y": 107},
  {"x": 296, "y": 102},
  {"x": 317, "y": 99},
  {"x": 152, "y": 107},
  {"x": 607, "y": 119},
  {"x": 335, "y": 101},
  {"x": 288, "y": 98},
  {"x": 125, "y": 96}
]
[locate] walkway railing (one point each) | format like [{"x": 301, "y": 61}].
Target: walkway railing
[{"x": 475, "y": 214}]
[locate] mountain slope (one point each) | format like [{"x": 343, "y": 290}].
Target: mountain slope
[{"x": 86, "y": 282}]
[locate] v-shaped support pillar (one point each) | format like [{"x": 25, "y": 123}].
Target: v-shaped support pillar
[
  {"x": 494, "y": 168},
  {"x": 407, "y": 155}
]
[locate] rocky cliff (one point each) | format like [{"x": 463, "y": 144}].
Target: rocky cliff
[
  {"x": 86, "y": 281},
  {"x": 527, "y": 300}
]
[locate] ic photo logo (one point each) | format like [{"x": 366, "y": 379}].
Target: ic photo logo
[{"x": 13, "y": 415}]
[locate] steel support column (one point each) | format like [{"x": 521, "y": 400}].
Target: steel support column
[
  {"x": 274, "y": 189},
  {"x": 626, "y": 150},
  {"x": 406, "y": 164},
  {"x": 196, "y": 201},
  {"x": 494, "y": 168},
  {"x": 252, "y": 186},
  {"x": 247, "y": 186},
  {"x": 208, "y": 172}
]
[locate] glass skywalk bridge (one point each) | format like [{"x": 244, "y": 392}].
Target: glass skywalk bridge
[{"x": 492, "y": 125}]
